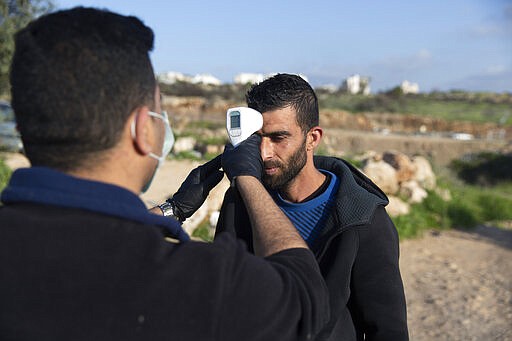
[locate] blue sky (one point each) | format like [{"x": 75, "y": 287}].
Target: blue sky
[{"x": 439, "y": 44}]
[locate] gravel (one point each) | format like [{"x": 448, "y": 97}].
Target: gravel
[{"x": 458, "y": 284}]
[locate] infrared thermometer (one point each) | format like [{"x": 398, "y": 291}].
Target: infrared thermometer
[{"x": 242, "y": 122}]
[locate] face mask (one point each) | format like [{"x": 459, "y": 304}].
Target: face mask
[
  {"x": 168, "y": 139},
  {"x": 166, "y": 147}
]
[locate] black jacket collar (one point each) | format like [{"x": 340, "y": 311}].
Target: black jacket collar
[{"x": 357, "y": 198}]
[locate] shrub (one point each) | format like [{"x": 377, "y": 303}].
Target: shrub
[{"x": 484, "y": 168}]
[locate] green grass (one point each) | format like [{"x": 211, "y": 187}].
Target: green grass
[
  {"x": 187, "y": 155},
  {"x": 456, "y": 110},
  {"x": 209, "y": 156},
  {"x": 470, "y": 205},
  {"x": 445, "y": 106},
  {"x": 431, "y": 213},
  {"x": 203, "y": 231},
  {"x": 5, "y": 174}
]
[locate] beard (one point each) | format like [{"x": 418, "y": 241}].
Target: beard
[{"x": 289, "y": 171}]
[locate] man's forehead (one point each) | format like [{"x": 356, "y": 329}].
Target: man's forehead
[
  {"x": 280, "y": 119},
  {"x": 287, "y": 110},
  {"x": 278, "y": 130}
]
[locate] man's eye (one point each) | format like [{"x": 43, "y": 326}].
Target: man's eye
[{"x": 277, "y": 138}]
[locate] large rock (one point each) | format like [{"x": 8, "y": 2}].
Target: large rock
[
  {"x": 424, "y": 173},
  {"x": 214, "y": 149},
  {"x": 184, "y": 144},
  {"x": 405, "y": 169},
  {"x": 412, "y": 191},
  {"x": 382, "y": 174},
  {"x": 397, "y": 206}
]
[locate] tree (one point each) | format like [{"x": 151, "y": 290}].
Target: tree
[{"x": 14, "y": 15}]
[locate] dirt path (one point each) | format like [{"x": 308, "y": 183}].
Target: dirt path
[{"x": 458, "y": 283}]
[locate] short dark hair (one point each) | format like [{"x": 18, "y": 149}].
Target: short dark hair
[
  {"x": 76, "y": 76},
  {"x": 286, "y": 90}
]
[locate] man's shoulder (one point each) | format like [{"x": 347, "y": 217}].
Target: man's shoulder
[
  {"x": 28, "y": 214},
  {"x": 49, "y": 221},
  {"x": 358, "y": 197},
  {"x": 76, "y": 236},
  {"x": 353, "y": 183}
]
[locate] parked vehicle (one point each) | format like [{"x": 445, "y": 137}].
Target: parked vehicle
[{"x": 9, "y": 136}]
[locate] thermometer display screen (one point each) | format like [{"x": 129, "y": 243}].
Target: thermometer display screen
[{"x": 235, "y": 120}]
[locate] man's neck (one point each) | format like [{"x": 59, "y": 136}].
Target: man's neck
[
  {"x": 303, "y": 185},
  {"x": 114, "y": 169}
]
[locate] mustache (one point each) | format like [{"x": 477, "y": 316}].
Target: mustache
[{"x": 272, "y": 164}]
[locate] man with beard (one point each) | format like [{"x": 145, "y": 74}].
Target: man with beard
[{"x": 337, "y": 210}]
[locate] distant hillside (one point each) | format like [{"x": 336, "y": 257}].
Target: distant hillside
[{"x": 449, "y": 106}]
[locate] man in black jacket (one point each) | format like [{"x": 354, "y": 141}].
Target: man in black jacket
[
  {"x": 81, "y": 258},
  {"x": 337, "y": 210}
]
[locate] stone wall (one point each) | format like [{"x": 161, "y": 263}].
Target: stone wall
[{"x": 440, "y": 150}]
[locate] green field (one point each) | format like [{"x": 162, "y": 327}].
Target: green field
[{"x": 493, "y": 108}]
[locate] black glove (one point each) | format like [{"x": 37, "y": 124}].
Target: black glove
[
  {"x": 196, "y": 187},
  {"x": 245, "y": 159}
]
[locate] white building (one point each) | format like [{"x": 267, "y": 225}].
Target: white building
[
  {"x": 206, "y": 78},
  {"x": 409, "y": 88},
  {"x": 356, "y": 84},
  {"x": 249, "y": 78},
  {"x": 172, "y": 77}
]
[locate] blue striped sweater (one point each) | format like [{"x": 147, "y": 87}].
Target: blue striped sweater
[{"x": 309, "y": 216}]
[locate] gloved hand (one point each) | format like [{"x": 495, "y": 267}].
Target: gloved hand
[
  {"x": 245, "y": 159},
  {"x": 196, "y": 187}
]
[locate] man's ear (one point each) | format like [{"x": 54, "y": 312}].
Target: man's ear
[
  {"x": 314, "y": 138},
  {"x": 141, "y": 131}
]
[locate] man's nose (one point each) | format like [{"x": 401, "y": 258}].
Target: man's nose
[{"x": 266, "y": 149}]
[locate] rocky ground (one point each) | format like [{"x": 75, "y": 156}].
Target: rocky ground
[{"x": 458, "y": 283}]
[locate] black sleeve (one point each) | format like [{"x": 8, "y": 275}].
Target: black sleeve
[
  {"x": 281, "y": 297},
  {"x": 377, "y": 291}
]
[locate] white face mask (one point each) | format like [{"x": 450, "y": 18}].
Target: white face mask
[
  {"x": 168, "y": 139},
  {"x": 166, "y": 147}
]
